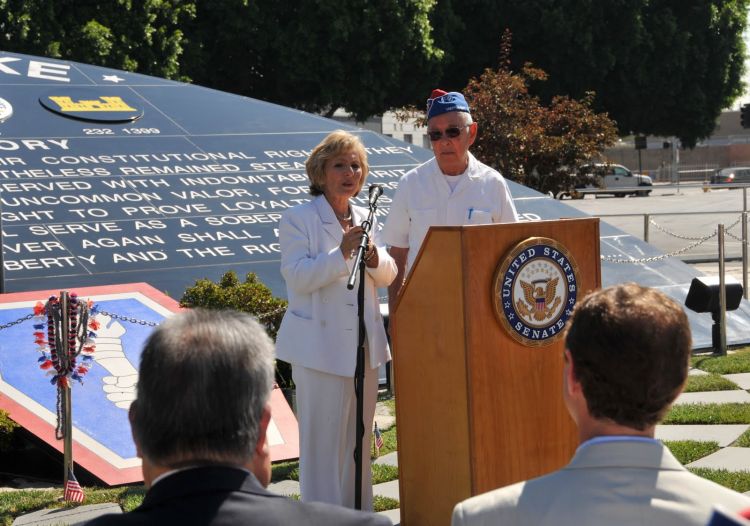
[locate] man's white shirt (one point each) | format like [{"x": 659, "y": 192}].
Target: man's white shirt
[{"x": 424, "y": 199}]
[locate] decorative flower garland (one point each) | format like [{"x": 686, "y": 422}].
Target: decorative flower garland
[{"x": 59, "y": 358}]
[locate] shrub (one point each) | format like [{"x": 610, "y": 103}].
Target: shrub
[
  {"x": 251, "y": 296},
  {"x": 7, "y": 427}
]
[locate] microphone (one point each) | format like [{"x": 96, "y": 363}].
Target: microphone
[{"x": 376, "y": 190}]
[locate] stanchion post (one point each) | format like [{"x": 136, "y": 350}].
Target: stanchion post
[
  {"x": 646, "y": 220},
  {"x": 67, "y": 393},
  {"x": 722, "y": 296},
  {"x": 744, "y": 254}
]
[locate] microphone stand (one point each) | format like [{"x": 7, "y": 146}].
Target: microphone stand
[{"x": 359, "y": 373}]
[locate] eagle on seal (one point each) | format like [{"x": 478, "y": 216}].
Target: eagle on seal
[{"x": 537, "y": 299}]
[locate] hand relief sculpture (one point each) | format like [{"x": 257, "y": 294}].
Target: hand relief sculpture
[{"x": 123, "y": 376}]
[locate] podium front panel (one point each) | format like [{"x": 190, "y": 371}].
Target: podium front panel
[
  {"x": 519, "y": 425},
  {"x": 432, "y": 419},
  {"x": 476, "y": 408}
]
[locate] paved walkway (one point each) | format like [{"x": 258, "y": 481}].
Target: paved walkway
[
  {"x": 731, "y": 268},
  {"x": 728, "y": 457}
]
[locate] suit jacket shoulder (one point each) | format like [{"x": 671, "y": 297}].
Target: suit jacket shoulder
[
  {"x": 224, "y": 496},
  {"x": 622, "y": 483}
]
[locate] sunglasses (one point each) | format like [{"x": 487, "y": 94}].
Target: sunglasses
[{"x": 450, "y": 133}]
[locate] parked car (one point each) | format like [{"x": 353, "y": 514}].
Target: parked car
[
  {"x": 736, "y": 174},
  {"x": 614, "y": 179}
]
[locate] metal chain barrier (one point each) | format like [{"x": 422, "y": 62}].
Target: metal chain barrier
[
  {"x": 128, "y": 319},
  {"x": 733, "y": 236},
  {"x": 154, "y": 324},
  {"x": 727, "y": 232},
  {"x": 734, "y": 224},
  {"x": 19, "y": 320},
  {"x": 690, "y": 238},
  {"x": 673, "y": 234},
  {"x": 616, "y": 259}
]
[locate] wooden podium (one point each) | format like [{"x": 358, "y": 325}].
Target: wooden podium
[{"x": 476, "y": 408}]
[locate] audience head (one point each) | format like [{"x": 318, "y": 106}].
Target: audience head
[
  {"x": 204, "y": 381},
  {"x": 630, "y": 347}
]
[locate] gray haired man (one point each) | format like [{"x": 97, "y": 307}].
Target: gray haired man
[{"x": 199, "y": 424}]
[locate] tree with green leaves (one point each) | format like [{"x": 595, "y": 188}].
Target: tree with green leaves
[
  {"x": 535, "y": 145},
  {"x": 658, "y": 67},
  {"x": 251, "y": 296},
  {"x": 143, "y": 36},
  {"x": 316, "y": 55}
]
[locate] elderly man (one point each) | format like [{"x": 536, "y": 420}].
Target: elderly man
[
  {"x": 626, "y": 360},
  {"x": 453, "y": 188},
  {"x": 199, "y": 424}
]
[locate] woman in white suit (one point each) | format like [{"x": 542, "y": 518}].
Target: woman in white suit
[{"x": 319, "y": 332}]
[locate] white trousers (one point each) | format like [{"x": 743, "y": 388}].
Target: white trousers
[{"x": 326, "y": 413}]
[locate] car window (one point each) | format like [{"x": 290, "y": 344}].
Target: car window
[
  {"x": 743, "y": 175},
  {"x": 619, "y": 170}
]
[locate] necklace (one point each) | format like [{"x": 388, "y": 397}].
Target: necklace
[{"x": 347, "y": 217}]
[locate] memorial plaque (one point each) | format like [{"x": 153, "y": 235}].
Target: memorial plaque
[{"x": 109, "y": 177}]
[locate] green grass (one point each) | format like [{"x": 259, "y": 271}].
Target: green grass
[
  {"x": 743, "y": 440},
  {"x": 687, "y": 451},
  {"x": 390, "y": 403},
  {"x": 285, "y": 471},
  {"x": 734, "y": 413},
  {"x": 389, "y": 441},
  {"x": 737, "y": 362},
  {"x": 736, "y": 480},
  {"x": 380, "y": 503},
  {"x": 15, "y": 503},
  {"x": 709, "y": 382},
  {"x": 383, "y": 473},
  {"x": 290, "y": 471}
]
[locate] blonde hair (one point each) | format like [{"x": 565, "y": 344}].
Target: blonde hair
[{"x": 335, "y": 143}]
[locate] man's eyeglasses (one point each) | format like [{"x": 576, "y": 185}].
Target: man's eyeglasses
[{"x": 450, "y": 133}]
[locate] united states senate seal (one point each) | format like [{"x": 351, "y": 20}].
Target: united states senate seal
[{"x": 534, "y": 291}]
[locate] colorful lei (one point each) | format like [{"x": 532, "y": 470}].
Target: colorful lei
[{"x": 58, "y": 358}]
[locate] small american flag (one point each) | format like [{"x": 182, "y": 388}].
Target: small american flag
[
  {"x": 73, "y": 491},
  {"x": 378, "y": 437}
]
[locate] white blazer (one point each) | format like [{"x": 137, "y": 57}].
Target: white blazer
[{"x": 320, "y": 327}]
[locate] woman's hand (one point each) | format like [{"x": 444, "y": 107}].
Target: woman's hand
[
  {"x": 350, "y": 242},
  {"x": 371, "y": 256}
]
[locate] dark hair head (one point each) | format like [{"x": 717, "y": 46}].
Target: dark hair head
[
  {"x": 204, "y": 379},
  {"x": 630, "y": 347}
]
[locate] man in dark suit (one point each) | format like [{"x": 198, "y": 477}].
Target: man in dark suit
[{"x": 199, "y": 424}]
